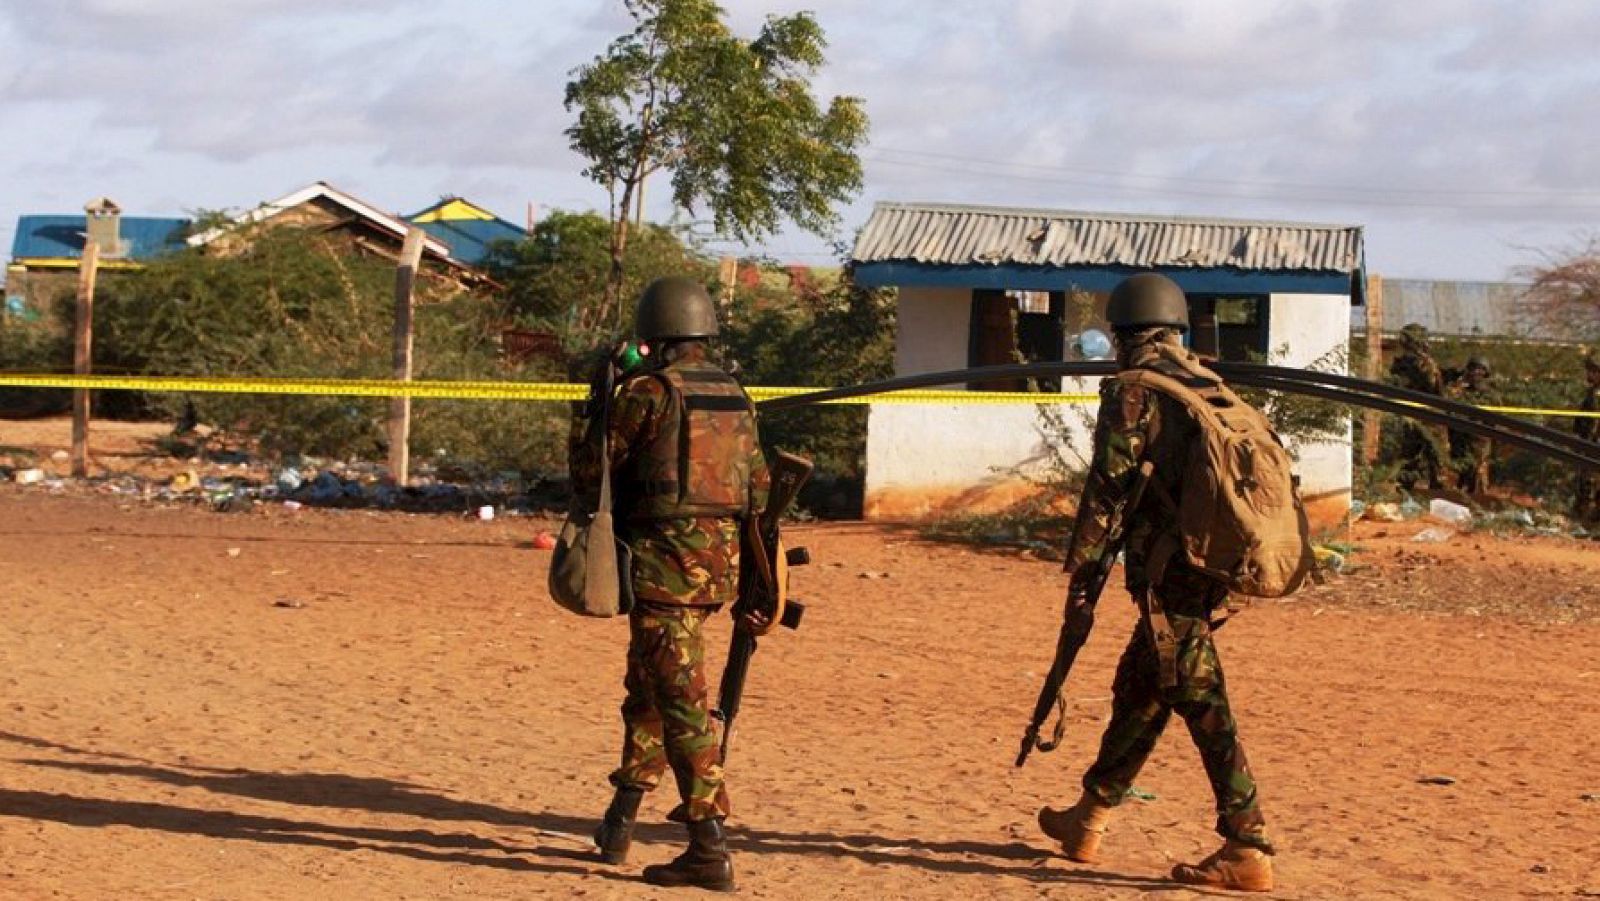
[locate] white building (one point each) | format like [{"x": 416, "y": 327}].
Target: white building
[{"x": 984, "y": 286}]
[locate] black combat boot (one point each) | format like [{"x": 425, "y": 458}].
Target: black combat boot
[
  {"x": 705, "y": 864},
  {"x": 615, "y": 833}
]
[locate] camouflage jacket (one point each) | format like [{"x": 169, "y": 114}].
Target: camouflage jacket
[
  {"x": 1463, "y": 445},
  {"x": 1418, "y": 372},
  {"x": 1134, "y": 424},
  {"x": 691, "y": 561},
  {"x": 1586, "y": 427}
]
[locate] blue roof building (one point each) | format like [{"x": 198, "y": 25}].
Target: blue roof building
[
  {"x": 467, "y": 229},
  {"x": 58, "y": 240}
]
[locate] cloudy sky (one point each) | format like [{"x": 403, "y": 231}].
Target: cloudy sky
[{"x": 1464, "y": 134}]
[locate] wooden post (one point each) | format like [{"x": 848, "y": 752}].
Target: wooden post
[
  {"x": 405, "y": 279},
  {"x": 1372, "y": 421},
  {"x": 82, "y": 346}
]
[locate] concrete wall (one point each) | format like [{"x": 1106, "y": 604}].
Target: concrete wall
[
  {"x": 1308, "y": 328},
  {"x": 930, "y": 460},
  {"x": 927, "y": 460}
]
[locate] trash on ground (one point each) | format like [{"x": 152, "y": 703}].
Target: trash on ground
[
  {"x": 1385, "y": 512},
  {"x": 1434, "y": 535},
  {"x": 28, "y": 476},
  {"x": 1437, "y": 780},
  {"x": 1449, "y": 512}
]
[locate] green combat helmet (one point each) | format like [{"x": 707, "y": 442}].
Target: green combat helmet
[
  {"x": 1414, "y": 337},
  {"x": 1147, "y": 300},
  {"x": 674, "y": 307}
]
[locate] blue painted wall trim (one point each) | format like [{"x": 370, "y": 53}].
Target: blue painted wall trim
[{"x": 1097, "y": 278}]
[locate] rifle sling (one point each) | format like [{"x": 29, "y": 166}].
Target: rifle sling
[{"x": 1165, "y": 640}]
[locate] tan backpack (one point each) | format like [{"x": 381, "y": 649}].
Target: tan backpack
[{"x": 1240, "y": 517}]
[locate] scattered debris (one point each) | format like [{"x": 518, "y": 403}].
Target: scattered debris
[
  {"x": 1139, "y": 794},
  {"x": 1386, "y": 512},
  {"x": 1539, "y": 868},
  {"x": 28, "y": 476},
  {"x": 1437, "y": 780},
  {"x": 486, "y": 513},
  {"x": 544, "y": 541},
  {"x": 289, "y": 603},
  {"x": 234, "y": 552},
  {"x": 1434, "y": 535},
  {"x": 1450, "y": 513}
]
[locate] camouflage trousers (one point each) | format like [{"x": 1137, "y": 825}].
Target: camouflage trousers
[
  {"x": 666, "y": 716},
  {"x": 1585, "y": 497},
  {"x": 1141, "y": 707},
  {"x": 1422, "y": 455}
]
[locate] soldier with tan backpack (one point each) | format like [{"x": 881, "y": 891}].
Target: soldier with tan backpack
[{"x": 1196, "y": 490}]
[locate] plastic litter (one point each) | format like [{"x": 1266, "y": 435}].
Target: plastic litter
[
  {"x": 486, "y": 513},
  {"x": 1449, "y": 512},
  {"x": 1328, "y": 559},
  {"x": 1434, "y": 535},
  {"x": 28, "y": 476},
  {"x": 288, "y": 479},
  {"x": 1385, "y": 512}
]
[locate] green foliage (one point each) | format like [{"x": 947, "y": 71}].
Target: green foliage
[
  {"x": 560, "y": 270},
  {"x": 841, "y": 336},
  {"x": 292, "y": 303},
  {"x": 732, "y": 121},
  {"x": 34, "y": 344},
  {"x": 1529, "y": 375}
]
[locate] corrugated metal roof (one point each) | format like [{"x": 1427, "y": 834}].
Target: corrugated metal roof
[
  {"x": 61, "y": 237},
  {"x": 469, "y": 239},
  {"x": 1462, "y": 309},
  {"x": 955, "y": 235}
]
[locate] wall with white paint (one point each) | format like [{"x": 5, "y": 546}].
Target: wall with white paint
[{"x": 925, "y": 460}]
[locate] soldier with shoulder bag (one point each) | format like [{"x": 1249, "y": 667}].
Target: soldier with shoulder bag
[
  {"x": 1193, "y": 485},
  {"x": 680, "y": 447}
]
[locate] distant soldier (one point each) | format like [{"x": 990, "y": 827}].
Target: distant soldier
[
  {"x": 1470, "y": 454},
  {"x": 1148, "y": 314},
  {"x": 687, "y": 467},
  {"x": 1422, "y": 447},
  {"x": 1586, "y": 500}
]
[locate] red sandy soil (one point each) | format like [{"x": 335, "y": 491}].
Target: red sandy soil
[{"x": 347, "y": 704}]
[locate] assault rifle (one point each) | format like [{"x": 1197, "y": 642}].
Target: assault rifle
[
  {"x": 763, "y": 585},
  {"x": 1076, "y": 624}
]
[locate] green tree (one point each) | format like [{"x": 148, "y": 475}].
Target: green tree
[
  {"x": 732, "y": 120},
  {"x": 560, "y": 270}
]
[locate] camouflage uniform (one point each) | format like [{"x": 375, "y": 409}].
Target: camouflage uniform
[
  {"x": 1586, "y": 493},
  {"x": 684, "y": 570},
  {"x": 1470, "y": 455},
  {"x": 1422, "y": 446},
  {"x": 1136, "y": 424}
]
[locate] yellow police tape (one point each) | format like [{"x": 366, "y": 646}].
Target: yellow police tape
[
  {"x": 545, "y": 391},
  {"x": 540, "y": 391}
]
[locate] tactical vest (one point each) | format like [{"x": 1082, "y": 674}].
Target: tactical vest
[{"x": 699, "y": 462}]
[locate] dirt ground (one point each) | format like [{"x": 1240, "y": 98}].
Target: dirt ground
[{"x": 336, "y": 703}]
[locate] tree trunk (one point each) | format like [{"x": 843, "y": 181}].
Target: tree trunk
[{"x": 612, "y": 310}]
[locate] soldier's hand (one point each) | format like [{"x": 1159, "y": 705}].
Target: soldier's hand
[{"x": 752, "y": 620}]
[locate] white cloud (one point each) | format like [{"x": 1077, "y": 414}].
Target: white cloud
[{"x": 1432, "y": 106}]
